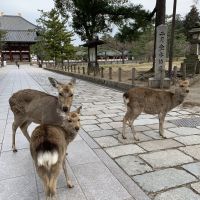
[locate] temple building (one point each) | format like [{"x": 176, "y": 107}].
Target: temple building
[{"x": 20, "y": 35}]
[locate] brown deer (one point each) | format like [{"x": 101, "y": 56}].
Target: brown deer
[
  {"x": 48, "y": 145},
  {"x": 39, "y": 107},
  {"x": 151, "y": 101}
]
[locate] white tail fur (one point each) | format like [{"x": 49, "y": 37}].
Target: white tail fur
[
  {"x": 126, "y": 101},
  {"x": 47, "y": 158}
]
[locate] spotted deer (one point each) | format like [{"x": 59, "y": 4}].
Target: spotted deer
[
  {"x": 39, "y": 107},
  {"x": 48, "y": 145},
  {"x": 152, "y": 101}
]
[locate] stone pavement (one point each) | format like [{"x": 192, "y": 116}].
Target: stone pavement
[{"x": 102, "y": 165}]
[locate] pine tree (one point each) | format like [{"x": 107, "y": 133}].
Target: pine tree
[
  {"x": 190, "y": 19},
  {"x": 54, "y": 38}
]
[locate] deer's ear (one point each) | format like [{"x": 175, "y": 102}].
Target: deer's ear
[
  {"x": 73, "y": 81},
  {"x": 79, "y": 109},
  {"x": 53, "y": 82}
]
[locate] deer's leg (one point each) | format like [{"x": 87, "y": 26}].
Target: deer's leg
[
  {"x": 69, "y": 182},
  {"x": 52, "y": 185},
  {"x": 134, "y": 114},
  {"x": 135, "y": 137},
  {"x": 161, "y": 117},
  {"x": 45, "y": 180},
  {"x": 55, "y": 171},
  {"x": 125, "y": 119},
  {"x": 24, "y": 128},
  {"x": 15, "y": 125}
]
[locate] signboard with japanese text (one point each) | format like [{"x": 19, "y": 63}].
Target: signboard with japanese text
[
  {"x": 92, "y": 55},
  {"x": 161, "y": 43}
]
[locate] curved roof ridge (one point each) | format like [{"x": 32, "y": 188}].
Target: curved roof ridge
[
  {"x": 19, "y": 16},
  {"x": 15, "y": 22}
]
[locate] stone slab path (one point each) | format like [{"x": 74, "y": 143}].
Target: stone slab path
[{"x": 102, "y": 165}]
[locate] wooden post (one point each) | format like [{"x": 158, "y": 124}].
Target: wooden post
[
  {"x": 78, "y": 69},
  {"x": 83, "y": 70},
  {"x": 174, "y": 75},
  {"x": 102, "y": 76},
  {"x": 110, "y": 72},
  {"x": 88, "y": 71},
  {"x": 184, "y": 71},
  {"x": 68, "y": 68},
  {"x": 74, "y": 69},
  {"x": 133, "y": 75},
  {"x": 195, "y": 68},
  {"x": 120, "y": 74}
]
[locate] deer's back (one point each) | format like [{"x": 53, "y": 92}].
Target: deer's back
[
  {"x": 20, "y": 99},
  {"x": 36, "y": 106},
  {"x": 149, "y": 100}
]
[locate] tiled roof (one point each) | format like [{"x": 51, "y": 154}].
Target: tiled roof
[
  {"x": 18, "y": 29},
  {"x": 21, "y": 36},
  {"x": 9, "y": 22}
]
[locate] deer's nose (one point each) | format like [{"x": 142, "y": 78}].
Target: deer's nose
[
  {"x": 65, "y": 108},
  {"x": 77, "y": 128}
]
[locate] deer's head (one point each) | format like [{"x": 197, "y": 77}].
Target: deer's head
[
  {"x": 183, "y": 86},
  {"x": 65, "y": 93},
  {"x": 72, "y": 121},
  {"x": 181, "y": 91}
]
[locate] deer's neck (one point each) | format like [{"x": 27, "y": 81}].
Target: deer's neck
[
  {"x": 177, "y": 99},
  {"x": 69, "y": 133}
]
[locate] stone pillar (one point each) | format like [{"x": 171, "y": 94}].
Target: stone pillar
[
  {"x": 159, "y": 80},
  {"x": 192, "y": 61}
]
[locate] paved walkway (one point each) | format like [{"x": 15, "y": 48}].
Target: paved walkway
[{"x": 101, "y": 164}]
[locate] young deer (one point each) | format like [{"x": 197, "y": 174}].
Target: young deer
[
  {"x": 48, "y": 145},
  {"x": 151, "y": 101},
  {"x": 39, "y": 107}
]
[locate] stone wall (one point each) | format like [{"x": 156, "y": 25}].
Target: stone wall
[{"x": 109, "y": 83}]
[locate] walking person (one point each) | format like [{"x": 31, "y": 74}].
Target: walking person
[{"x": 17, "y": 64}]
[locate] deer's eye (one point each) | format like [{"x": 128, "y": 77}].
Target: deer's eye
[
  {"x": 61, "y": 94},
  {"x": 69, "y": 120},
  {"x": 79, "y": 120},
  {"x": 71, "y": 95}
]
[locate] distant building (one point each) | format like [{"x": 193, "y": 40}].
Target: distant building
[
  {"x": 20, "y": 34},
  {"x": 105, "y": 54}
]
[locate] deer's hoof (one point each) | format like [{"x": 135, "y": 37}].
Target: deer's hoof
[
  {"x": 14, "y": 150},
  {"x": 124, "y": 137},
  {"x": 136, "y": 138},
  {"x": 70, "y": 185}
]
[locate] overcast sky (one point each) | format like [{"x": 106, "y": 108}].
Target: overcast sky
[{"x": 29, "y": 8}]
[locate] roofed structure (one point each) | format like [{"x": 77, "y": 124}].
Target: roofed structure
[{"x": 20, "y": 34}]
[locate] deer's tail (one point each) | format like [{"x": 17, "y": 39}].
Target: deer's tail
[
  {"x": 126, "y": 98},
  {"x": 47, "y": 154}
]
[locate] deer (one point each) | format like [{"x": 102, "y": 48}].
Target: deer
[
  {"x": 152, "y": 101},
  {"x": 30, "y": 105},
  {"x": 48, "y": 145}
]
